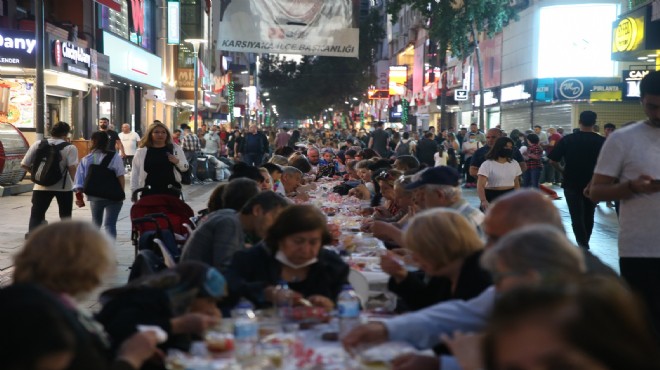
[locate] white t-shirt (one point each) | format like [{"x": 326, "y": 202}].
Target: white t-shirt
[
  {"x": 500, "y": 174},
  {"x": 628, "y": 153},
  {"x": 440, "y": 161},
  {"x": 212, "y": 143},
  {"x": 130, "y": 142},
  {"x": 69, "y": 158}
]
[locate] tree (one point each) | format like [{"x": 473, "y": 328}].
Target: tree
[
  {"x": 306, "y": 88},
  {"x": 455, "y": 26}
]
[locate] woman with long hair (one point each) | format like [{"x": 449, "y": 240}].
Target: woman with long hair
[
  {"x": 158, "y": 163},
  {"x": 499, "y": 174},
  {"x": 104, "y": 211}
]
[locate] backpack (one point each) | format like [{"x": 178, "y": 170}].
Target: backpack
[
  {"x": 403, "y": 149},
  {"x": 45, "y": 168}
]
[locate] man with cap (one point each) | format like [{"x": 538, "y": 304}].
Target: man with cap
[
  {"x": 434, "y": 187},
  {"x": 439, "y": 187}
]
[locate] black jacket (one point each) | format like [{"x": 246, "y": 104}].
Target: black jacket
[
  {"x": 416, "y": 291},
  {"x": 256, "y": 268}
]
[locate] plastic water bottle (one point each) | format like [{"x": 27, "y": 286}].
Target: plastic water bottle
[
  {"x": 348, "y": 305},
  {"x": 283, "y": 300},
  {"x": 246, "y": 330}
]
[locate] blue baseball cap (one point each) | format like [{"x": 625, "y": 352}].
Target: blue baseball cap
[{"x": 441, "y": 175}]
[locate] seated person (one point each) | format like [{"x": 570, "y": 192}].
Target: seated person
[
  {"x": 328, "y": 166},
  {"x": 290, "y": 184},
  {"x": 72, "y": 268},
  {"x": 36, "y": 330},
  {"x": 448, "y": 258},
  {"x": 228, "y": 230},
  {"x": 275, "y": 172},
  {"x": 292, "y": 251},
  {"x": 390, "y": 211},
  {"x": 191, "y": 288}
]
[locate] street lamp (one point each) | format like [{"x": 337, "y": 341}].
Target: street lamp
[{"x": 196, "y": 43}]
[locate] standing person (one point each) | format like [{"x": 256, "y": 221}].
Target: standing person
[
  {"x": 478, "y": 135},
  {"x": 426, "y": 149},
  {"x": 114, "y": 143},
  {"x": 533, "y": 155},
  {"x": 628, "y": 170},
  {"x": 552, "y": 175},
  {"x": 158, "y": 163},
  {"x": 543, "y": 137},
  {"x": 62, "y": 190},
  {"x": 499, "y": 174},
  {"x": 468, "y": 148},
  {"x": 129, "y": 141},
  {"x": 253, "y": 147},
  {"x": 282, "y": 138},
  {"x": 293, "y": 140},
  {"x": 580, "y": 152},
  {"x": 212, "y": 139},
  {"x": 99, "y": 205},
  {"x": 379, "y": 140},
  {"x": 191, "y": 146},
  {"x": 480, "y": 155},
  {"x": 176, "y": 137}
]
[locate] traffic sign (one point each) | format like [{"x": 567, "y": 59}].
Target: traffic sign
[{"x": 460, "y": 95}]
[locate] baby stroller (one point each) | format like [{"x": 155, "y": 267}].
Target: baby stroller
[{"x": 160, "y": 225}]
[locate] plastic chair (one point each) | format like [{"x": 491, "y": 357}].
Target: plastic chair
[{"x": 360, "y": 285}]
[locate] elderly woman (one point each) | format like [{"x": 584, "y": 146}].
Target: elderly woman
[
  {"x": 448, "y": 258},
  {"x": 73, "y": 267},
  {"x": 292, "y": 252},
  {"x": 158, "y": 163}
]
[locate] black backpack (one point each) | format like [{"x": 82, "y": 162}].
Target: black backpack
[
  {"x": 403, "y": 149},
  {"x": 45, "y": 168}
]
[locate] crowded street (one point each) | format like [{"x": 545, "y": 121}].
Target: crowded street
[{"x": 329, "y": 185}]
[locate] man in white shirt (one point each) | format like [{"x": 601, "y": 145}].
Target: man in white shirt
[
  {"x": 130, "y": 140},
  {"x": 212, "y": 142},
  {"x": 62, "y": 191},
  {"x": 628, "y": 169}
]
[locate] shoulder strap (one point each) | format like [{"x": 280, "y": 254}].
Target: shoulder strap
[
  {"x": 107, "y": 159},
  {"x": 63, "y": 145}
]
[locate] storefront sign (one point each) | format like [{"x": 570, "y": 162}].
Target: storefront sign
[
  {"x": 173, "y": 21},
  {"x": 112, "y": 4},
  {"x": 490, "y": 98},
  {"x": 398, "y": 79},
  {"x": 185, "y": 78},
  {"x": 132, "y": 62},
  {"x": 605, "y": 90},
  {"x": 513, "y": 93},
  {"x": 570, "y": 89},
  {"x": 67, "y": 57},
  {"x": 631, "y": 86},
  {"x": 17, "y": 48},
  {"x": 635, "y": 35},
  {"x": 545, "y": 88},
  {"x": 136, "y": 12},
  {"x": 382, "y": 78}
]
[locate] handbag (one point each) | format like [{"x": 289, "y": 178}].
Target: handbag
[{"x": 102, "y": 182}]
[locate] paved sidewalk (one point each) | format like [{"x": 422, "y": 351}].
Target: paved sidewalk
[{"x": 15, "y": 212}]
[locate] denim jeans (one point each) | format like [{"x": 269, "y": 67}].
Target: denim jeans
[
  {"x": 191, "y": 157},
  {"x": 582, "y": 210},
  {"x": 111, "y": 209},
  {"x": 253, "y": 159},
  {"x": 41, "y": 200},
  {"x": 531, "y": 177}
]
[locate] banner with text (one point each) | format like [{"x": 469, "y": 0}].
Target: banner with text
[{"x": 308, "y": 27}]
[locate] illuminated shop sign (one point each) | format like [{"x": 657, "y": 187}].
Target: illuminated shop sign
[
  {"x": 17, "y": 48},
  {"x": 635, "y": 35},
  {"x": 515, "y": 92},
  {"x": 132, "y": 62},
  {"x": 398, "y": 79},
  {"x": 173, "y": 22},
  {"x": 631, "y": 83},
  {"x": 68, "y": 57}
]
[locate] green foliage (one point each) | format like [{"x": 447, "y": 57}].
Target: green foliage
[
  {"x": 305, "y": 89},
  {"x": 449, "y": 22}
]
